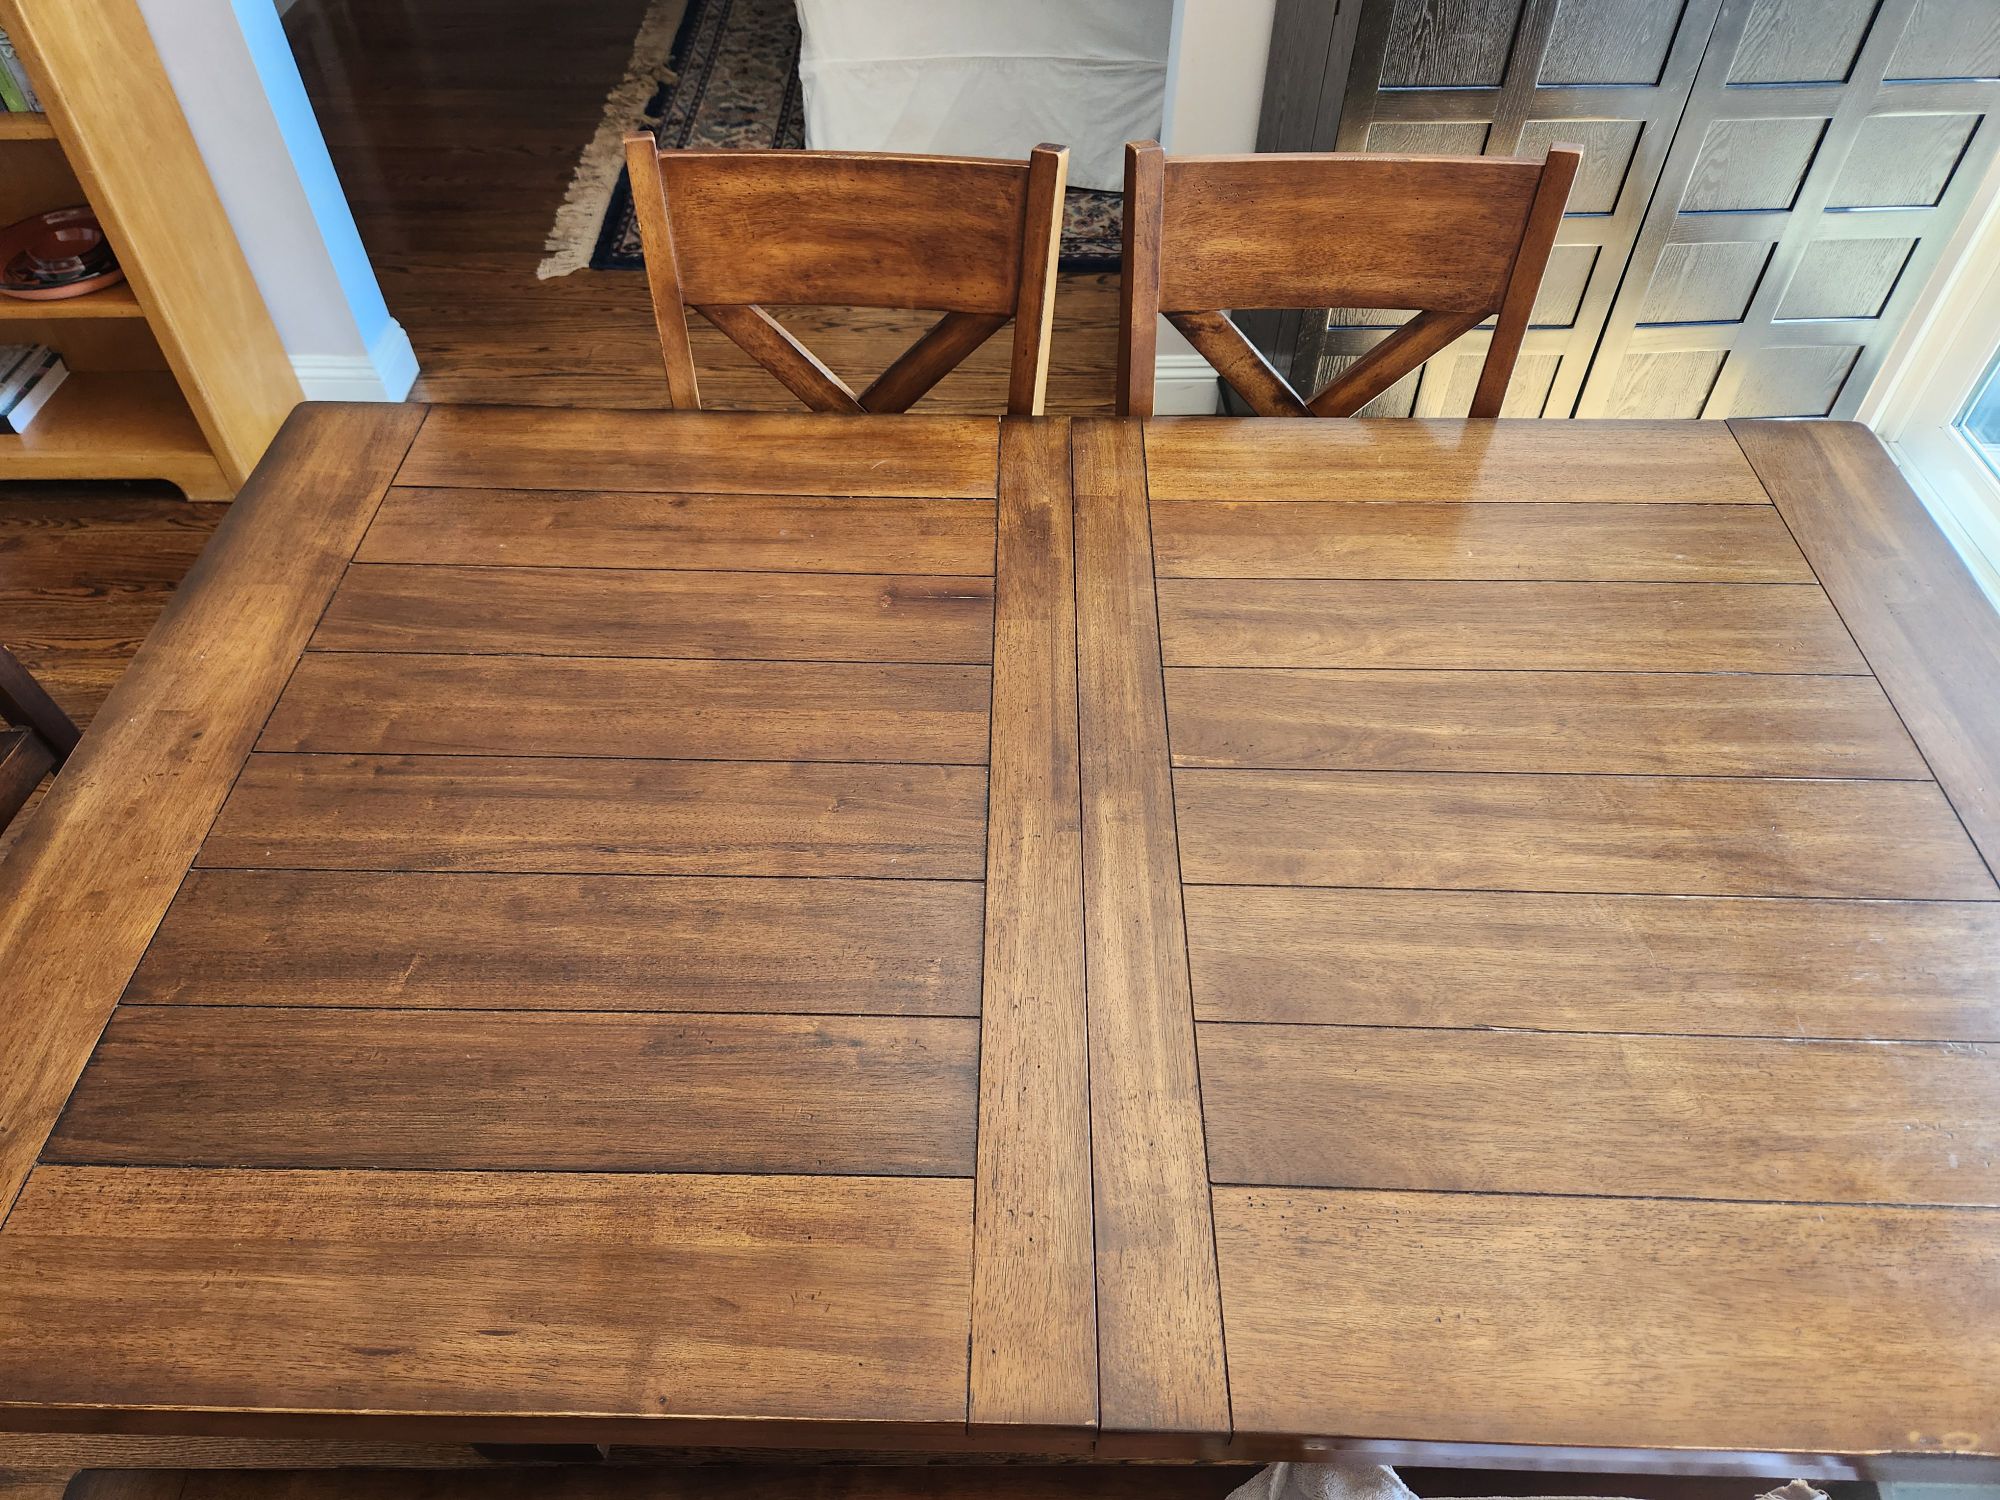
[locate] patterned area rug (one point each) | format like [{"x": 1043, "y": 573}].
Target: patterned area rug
[{"x": 731, "y": 78}]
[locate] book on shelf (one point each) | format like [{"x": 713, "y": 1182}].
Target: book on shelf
[
  {"x": 15, "y": 91},
  {"x": 32, "y": 374}
]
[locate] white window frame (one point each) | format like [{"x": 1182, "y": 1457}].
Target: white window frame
[{"x": 1929, "y": 376}]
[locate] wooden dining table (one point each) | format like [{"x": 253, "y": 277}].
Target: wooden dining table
[{"x": 1462, "y": 941}]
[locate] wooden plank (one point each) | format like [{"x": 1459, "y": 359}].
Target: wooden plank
[
  {"x": 1653, "y": 1116},
  {"x": 1578, "y": 541},
  {"x": 606, "y": 529},
  {"x": 604, "y": 817},
  {"x": 1615, "y": 1323},
  {"x": 1159, "y": 1314},
  {"x": 620, "y": 612},
  {"x": 629, "y": 943},
  {"x": 698, "y": 710},
  {"x": 1643, "y": 835},
  {"x": 1034, "y": 1324},
  {"x": 522, "y": 1091},
  {"x": 693, "y": 452},
  {"x": 1609, "y": 627},
  {"x": 511, "y": 1294},
  {"x": 1686, "y": 964},
  {"x": 1927, "y": 630},
  {"x": 85, "y": 885},
  {"x": 1664, "y": 723},
  {"x": 1244, "y": 459}
]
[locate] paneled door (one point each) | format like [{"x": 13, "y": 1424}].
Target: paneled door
[
  {"x": 1827, "y": 150},
  {"x": 1766, "y": 183}
]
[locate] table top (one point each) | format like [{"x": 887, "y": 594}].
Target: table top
[{"x": 1199, "y": 938}]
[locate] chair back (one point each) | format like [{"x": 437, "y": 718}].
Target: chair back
[
  {"x": 725, "y": 231},
  {"x": 1457, "y": 239},
  {"x": 35, "y": 735}
]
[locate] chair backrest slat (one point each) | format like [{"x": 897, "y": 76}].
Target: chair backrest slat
[
  {"x": 974, "y": 239},
  {"x": 1458, "y": 239}
]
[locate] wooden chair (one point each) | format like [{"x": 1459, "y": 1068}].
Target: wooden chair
[
  {"x": 975, "y": 239},
  {"x": 37, "y": 737},
  {"x": 1457, "y": 238}
]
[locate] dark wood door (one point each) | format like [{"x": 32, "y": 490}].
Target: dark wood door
[{"x": 1766, "y": 185}]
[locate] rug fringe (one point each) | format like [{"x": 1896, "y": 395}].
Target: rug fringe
[{"x": 574, "y": 235}]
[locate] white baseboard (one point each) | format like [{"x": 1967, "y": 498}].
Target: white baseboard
[
  {"x": 384, "y": 373},
  {"x": 1184, "y": 385}
]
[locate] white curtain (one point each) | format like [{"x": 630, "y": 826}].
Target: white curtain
[{"x": 987, "y": 77}]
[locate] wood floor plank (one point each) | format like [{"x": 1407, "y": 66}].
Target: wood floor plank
[
  {"x": 1702, "y": 724},
  {"x": 1684, "y": 964},
  {"x": 1929, "y": 633},
  {"x": 628, "y": 943},
  {"x": 400, "y": 704},
  {"x": 1309, "y": 539},
  {"x": 606, "y": 529},
  {"x": 508, "y": 1293},
  {"x": 1649, "y": 462},
  {"x": 1034, "y": 1323},
  {"x": 83, "y": 888},
  {"x": 1652, "y": 1116},
  {"x": 692, "y": 452},
  {"x": 1612, "y": 627},
  {"x": 1159, "y": 1315},
  {"x": 647, "y": 612},
  {"x": 527, "y": 814},
  {"x": 1615, "y": 1323},
  {"x": 526, "y": 1091},
  {"x": 1613, "y": 834}
]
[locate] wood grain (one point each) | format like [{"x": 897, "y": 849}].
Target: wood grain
[
  {"x": 629, "y": 943},
  {"x": 703, "y": 452},
  {"x": 616, "y": 612},
  {"x": 1641, "y": 835},
  {"x": 1610, "y": 627},
  {"x": 1578, "y": 541},
  {"x": 1034, "y": 1324},
  {"x": 521, "y": 1091},
  {"x": 1650, "y": 462},
  {"x": 1616, "y": 1323},
  {"x": 849, "y": 229},
  {"x": 581, "y": 706},
  {"x": 508, "y": 1293},
  {"x": 755, "y": 533},
  {"x": 1684, "y": 964},
  {"x": 84, "y": 887},
  {"x": 640, "y": 817},
  {"x": 1386, "y": 231},
  {"x": 1159, "y": 1318},
  {"x": 1655, "y": 1116},
  {"x": 1644, "y": 723},
  {"x": 1928, "y": 632}
]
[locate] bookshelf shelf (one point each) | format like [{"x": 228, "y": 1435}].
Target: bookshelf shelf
[
  {"x": 113, "y": 302},
  {"x": 192, "y": 385},
  {"x": 115, "y": 424}
]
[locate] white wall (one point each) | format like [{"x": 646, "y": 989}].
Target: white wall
[
  {"x": 239, "y": 86},
  {"x": 1215, "y": 91}
]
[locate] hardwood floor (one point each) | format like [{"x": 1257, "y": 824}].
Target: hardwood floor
[{"x": 455, "y": 125}]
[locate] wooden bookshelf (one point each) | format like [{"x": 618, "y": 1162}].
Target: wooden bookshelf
[{"x": 177, "y": 373}]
